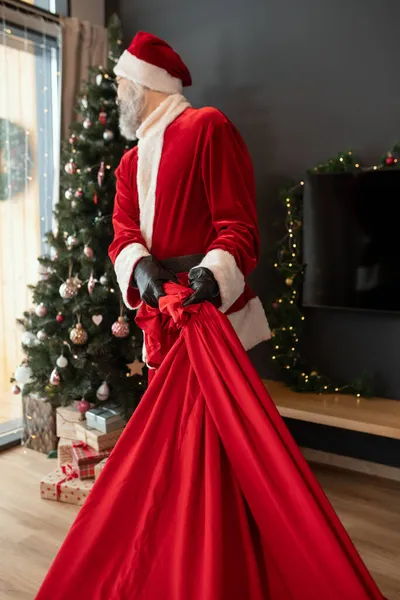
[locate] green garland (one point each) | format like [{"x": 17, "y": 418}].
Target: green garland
[
  {"x": 16, "y": 159},
  {"x": 286, "y": 317}
]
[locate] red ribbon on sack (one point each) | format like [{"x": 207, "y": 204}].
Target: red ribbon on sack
[{"x": 69, "y": 473}]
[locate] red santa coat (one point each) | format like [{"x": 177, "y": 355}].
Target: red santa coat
[{"x": 188, "y": 188}]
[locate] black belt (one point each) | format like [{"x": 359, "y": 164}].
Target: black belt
[{"x": 182, "y": 264}]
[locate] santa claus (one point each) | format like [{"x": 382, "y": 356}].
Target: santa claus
[{"x": 185, "y": 207}]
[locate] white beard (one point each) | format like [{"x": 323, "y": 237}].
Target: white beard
[{"x": 131, "y": 108}]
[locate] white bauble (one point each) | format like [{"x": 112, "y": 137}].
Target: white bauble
[
  {"x": 103, "y": 392},
  {"x": 28, "y": 339},
  {"x": 61, "y": 362},
  {"x": 23, "y": 374}
]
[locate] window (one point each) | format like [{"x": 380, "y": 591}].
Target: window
[
  {"x": 60, "y": 7},
  {"x": 29, "y": 170}
]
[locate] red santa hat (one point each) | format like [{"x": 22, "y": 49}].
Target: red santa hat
[{"x": 152, "y": 62}]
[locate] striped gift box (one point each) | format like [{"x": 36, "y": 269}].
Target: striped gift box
[{"x": 84, "y": 459}]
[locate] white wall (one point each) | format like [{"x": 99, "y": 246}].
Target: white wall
[{"x": 89, "y": 10}]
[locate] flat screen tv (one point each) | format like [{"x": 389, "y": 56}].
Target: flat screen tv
[{"x": 351, "y": 240}]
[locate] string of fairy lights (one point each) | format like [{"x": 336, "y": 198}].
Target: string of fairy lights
[{"x": 287, "y": 319}]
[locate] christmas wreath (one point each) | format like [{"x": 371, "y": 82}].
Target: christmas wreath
[{"x": 15, "y": 159}]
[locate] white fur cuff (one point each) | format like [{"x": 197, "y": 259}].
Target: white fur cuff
[
  {"x": 227, "y": 274},
  {"x": 124, "y": 266},
  {"x": 146, "y": 74}
]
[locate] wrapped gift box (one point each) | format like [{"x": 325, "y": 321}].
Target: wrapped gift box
[
  {"x": 99, "y": 467},
  {"x": 96, "y": 439},
  {"x": 84, "y": 459},
  {"x": 64, "y": 485},
  {"x": 105, "y": 418},
  {"x": 64, "y": 452},
  {"x": 67, "y": 417}
]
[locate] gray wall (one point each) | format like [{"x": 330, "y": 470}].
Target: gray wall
[{"x": 302, "y": 81}]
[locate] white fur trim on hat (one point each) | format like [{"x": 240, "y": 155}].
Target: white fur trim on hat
[
  {"x": 229, "y": 277},
  {"x": 146, "y": 74},
  {"x": 124, "y": 266}
]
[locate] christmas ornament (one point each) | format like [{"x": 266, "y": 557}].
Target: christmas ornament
[
  {"x": 69, "y": 193},
  {"x": 91, "y": 283},
  {"x": 100, "y": 174},
  {"x": 41, "y": 335},
  {"x": 389, "y": 161},
  {"x": 23, "y": 374},
  {"x": 41, "y": 310},
  {"x": 78, "y": 335},
  {"x": 70, "y": 167},
  {"x": 61, "y": 361},
  {"x": 83, "y": 406},
  {"x": 79, "y": 193},
  {"x": 70, "y": 288},
  {"x": 84, "y": 102},
  {"x": 275, "y": 305},
  {"x": 87, "y": 123},
  {"x": 136, "y": 368},
  {"x": 289, "y": 281},
  {"x": 28, "y": 339},
  {"x": 103, "y": 392},
  {"x": 60, "y": 318},
  {"x": 99, "y": 78},
  {"x": 71, "y": 242},
  {"x": 120, "y": 328},
  {"x": 103, "y": 117},
  {"x": 15, "y": 389},
  {"x": 95, "y": 199},
  {"x": 108, "y": 135},
  {"x": 88, "y": 251},
  {"x": 97, "y": 319},
  {"x": 72, "y": 138},
  {"x": 74, "y": 204},
  {"x": 103, "y": 280},
  {"x": 55, "y": 377}
]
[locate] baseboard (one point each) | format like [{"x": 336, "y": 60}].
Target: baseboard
[{"x": 351, "y": 464}]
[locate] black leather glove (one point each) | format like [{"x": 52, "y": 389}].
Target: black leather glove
[
  {"x": 205, "y": 287},
  {"x": 149, "y": 276}
]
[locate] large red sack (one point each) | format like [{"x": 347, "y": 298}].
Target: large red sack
[{"x": 206, "y": 495}]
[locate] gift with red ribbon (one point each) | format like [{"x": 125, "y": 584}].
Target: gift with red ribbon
[
  {"x": 63, "y": 485},
  {"x": 85, "y": 458}
]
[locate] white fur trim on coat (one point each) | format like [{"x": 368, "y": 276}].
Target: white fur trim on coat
[
  {"x": 251, "y": 324},
  {"x": 146, "y": 74},
  {"x": 229, "y": 277},
  {"x": 124, "y": 266},
  {"x": 150, "y": 145}
]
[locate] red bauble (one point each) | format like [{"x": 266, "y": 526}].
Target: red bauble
[
  {"x": 60, "y": 318},
  {"x": 83, "y": 406},
  {"x": 95, "y": 199},
  {"x": 103, "y": 117},
  {"x": 389, "y": 160},
  {"x": 88, "y": 251},
  {"x": 79, "y": 193},
  {"x": 72, "y": 139},
  {"x": 120, "y": 328}
]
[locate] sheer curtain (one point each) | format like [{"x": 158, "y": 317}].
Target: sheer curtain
[
  {"x": 29, "y": 166},
  {"x": 84, "y": 46}
]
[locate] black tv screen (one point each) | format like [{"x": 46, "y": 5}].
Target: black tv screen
[{"x": 351, "y": 241}]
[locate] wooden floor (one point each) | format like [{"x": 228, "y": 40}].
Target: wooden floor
[{"x": 32, "y": 529}]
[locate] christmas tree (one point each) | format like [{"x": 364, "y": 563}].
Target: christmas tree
[{"x": 78, "y": 342}]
